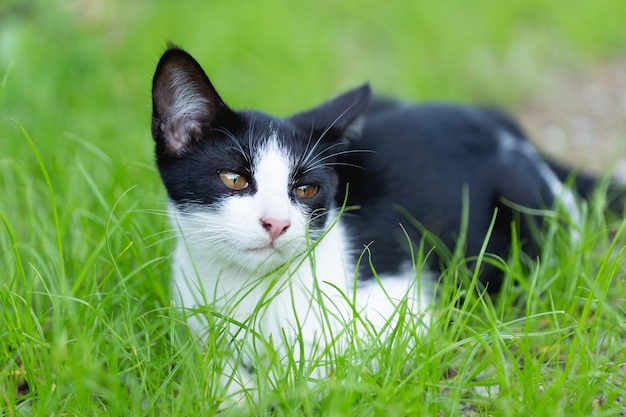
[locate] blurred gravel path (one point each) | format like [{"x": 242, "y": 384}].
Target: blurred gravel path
[{"x": 581, "y": 119}]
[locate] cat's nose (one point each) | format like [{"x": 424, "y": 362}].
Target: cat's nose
[{"x": 275, "y": 227}]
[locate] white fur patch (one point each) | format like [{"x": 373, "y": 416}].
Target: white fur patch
[
  {"x": 379, "y": 300},
  {"x": 509, "y": 143},
  {"x": 231, "y": 234},
  {"x": 272, "y": 174},
  {"x": 225, "y": 259}
]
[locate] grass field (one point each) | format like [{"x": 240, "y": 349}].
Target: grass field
[{"x": 86, "y": 323}]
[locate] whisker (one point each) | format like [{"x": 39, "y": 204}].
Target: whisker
[
  {"x": 320, "y": 163},
  {"x": 309, "y": 150},
  {"x": 318, "y": 166},
  {"x": 321, "y": 213},
  {"x": 343, "y": 113},
  {"x": 326, "y": 149},
  {"x": 155, "y": 212},
  {"x": 237, "y": 146},
  {"x": 251, "y": 134},
  {"x": 323, "y": 134},
  {"x": 149, "y": 244},
  {"x": 346, "y": 152},
  {"x": 308, "y": 155}
]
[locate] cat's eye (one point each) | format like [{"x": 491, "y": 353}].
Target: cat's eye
[
  {"x": 307, "y": 191},
  {"x": 233, "y": 180}
]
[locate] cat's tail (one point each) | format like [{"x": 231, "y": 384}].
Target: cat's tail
[{"x": 587, "y": 185}]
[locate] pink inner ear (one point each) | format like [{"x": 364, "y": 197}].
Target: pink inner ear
[
  {"x": 181, "y": 133},
  {"x": 184, "y": 101},
  {"x": 186, "y": 109},
  {"x": 188, "y": 102}
]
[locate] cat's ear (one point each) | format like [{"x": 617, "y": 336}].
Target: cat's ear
[
  {"x": 336, "y": 117},
  {"x": 184, "y": 102}
]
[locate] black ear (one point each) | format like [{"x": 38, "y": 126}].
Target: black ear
[
  {"x": 184, "y": 102},
  {"x": 332, "y": 118}
]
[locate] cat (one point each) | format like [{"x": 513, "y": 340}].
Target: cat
[{"x": 280, "y": 218}]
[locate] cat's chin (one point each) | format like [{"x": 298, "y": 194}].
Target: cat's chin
[
  {"x": 266, "y": 252},
  {"x": 265, "y": 259},
  {"x": 270, "y": 257}
]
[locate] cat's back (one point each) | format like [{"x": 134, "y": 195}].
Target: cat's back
[
  {"x": 426, "y": 129},
  {"x": 418, "y": 159},
  {"x": 420, "y": 147}
]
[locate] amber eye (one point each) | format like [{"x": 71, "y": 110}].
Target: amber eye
[
  {"x": 233, "y": 180},
  {"x": 307, "y": 191}
]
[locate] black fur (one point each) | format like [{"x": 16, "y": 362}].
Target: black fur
[
  {"x": 401, "y": 164},
  {"x": 424, "y": 157}
]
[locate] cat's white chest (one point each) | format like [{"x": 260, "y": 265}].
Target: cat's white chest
[
  {"x": 292, "y": 303},
  {"x": 275, "y": 268},
  {"x": 310, "y": 302}
]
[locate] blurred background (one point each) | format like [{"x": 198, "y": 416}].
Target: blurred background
[
  {"x": 84, "y": 241},
  {"x": 77, "y": 74}
]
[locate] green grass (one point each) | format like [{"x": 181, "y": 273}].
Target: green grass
[{"x": 86, "y": 323}]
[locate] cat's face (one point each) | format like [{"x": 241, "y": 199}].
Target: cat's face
[
  {"x": 246, "y": 188},
  {"x": 251, "y": 198}
]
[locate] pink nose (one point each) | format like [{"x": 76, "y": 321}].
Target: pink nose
[{"x": 275, "y": 227}]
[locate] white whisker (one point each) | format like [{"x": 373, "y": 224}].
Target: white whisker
[
  {"x": 237, "y": 146},
  {"x": 320, "y": 162},
  {"x": 321, "y": 152},
  {"x": 318, "y": 166}
]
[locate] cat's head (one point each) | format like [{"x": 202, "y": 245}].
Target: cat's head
[{"x": 246, "y": 188}]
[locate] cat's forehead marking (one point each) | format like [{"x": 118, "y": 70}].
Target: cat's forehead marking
[
  {"x": 272, "y": 173},
  {"x": 274, "y": 163},
  {"x": 274, "y": 155}
]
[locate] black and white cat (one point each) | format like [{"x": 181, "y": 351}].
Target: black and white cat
[{"x": 257, "y": 201}]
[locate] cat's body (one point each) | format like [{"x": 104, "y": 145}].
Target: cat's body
[
  {"x": 257, "y": 199},
  {"x": 425, "y": 158}
]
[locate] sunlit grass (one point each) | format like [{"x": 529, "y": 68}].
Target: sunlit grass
[{"x": 86, "y": 322}]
